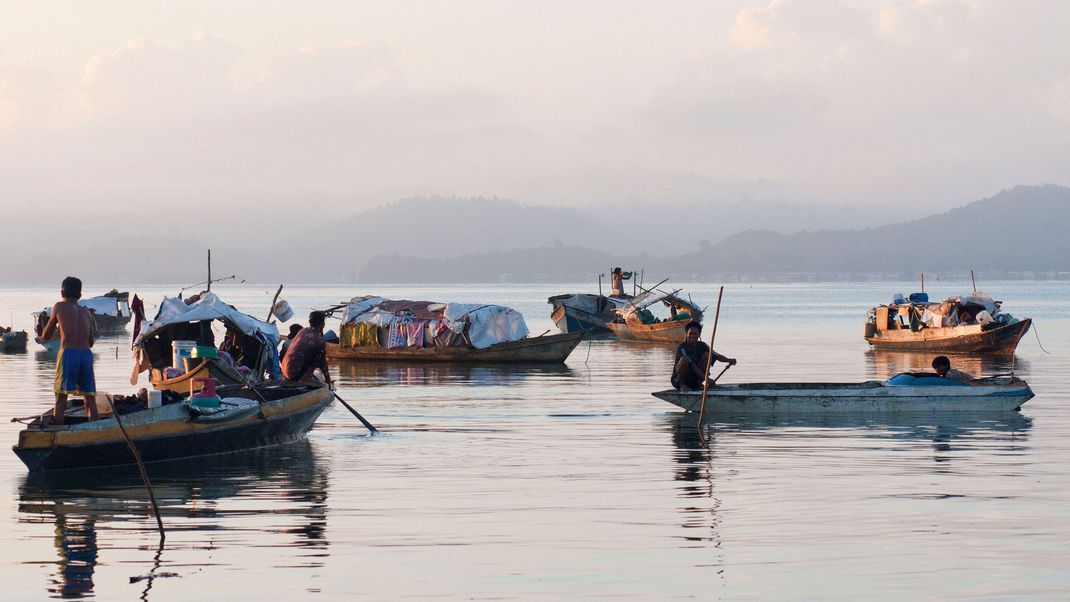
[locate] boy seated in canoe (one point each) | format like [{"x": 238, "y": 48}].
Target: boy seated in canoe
[
  {"x": 689, "y": 366},
  {"x": 943, "y": 368}
]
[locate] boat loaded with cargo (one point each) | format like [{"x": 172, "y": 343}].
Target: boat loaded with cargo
[
  {"x": 168, "y": 425},
  {"x": 972, "y": 322},
  {"x": 636, "y": 322},
  {"x": 375, "y": 328}
]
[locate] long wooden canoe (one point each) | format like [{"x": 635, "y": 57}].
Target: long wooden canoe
[
  {"x": 930, "y": 395},
  {"x": 969, "y": 338},
  {"x": 549, "y": 348},
  {"x": 174, "y": 431}
]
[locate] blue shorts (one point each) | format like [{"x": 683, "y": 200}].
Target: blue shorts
[{"x": 74, "y": 372}]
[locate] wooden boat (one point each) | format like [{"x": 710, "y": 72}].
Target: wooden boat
[
  {"x": 924, "y": 393},
  {"x": 573, "y": 313},
  {"x": 250, "y": 417},
  {"x": 965, "y": 324},
  {"x": 111, "y": 312},
  {"x": 441, "y": 332},
  {"x": 552, "y": 348},
  {"x": 636, "y": 323},
  {"x": 12, "y": 341}
]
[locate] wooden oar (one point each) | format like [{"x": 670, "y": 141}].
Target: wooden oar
[
  {"x": 367, "y": 424},
  {"x": 709, "y": 362}
]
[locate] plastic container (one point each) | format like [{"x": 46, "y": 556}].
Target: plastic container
[
  {"x": 204, "y": 352},
  {"x": 181, "y": 350},
  {"x": 206, "y": 396},
  {"x": 283, "y": 311},
  {"x": 155, "y": 399}
]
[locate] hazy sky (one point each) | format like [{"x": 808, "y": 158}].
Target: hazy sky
[{"x": 339, "y": 105}]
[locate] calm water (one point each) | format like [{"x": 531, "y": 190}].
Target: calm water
[{"x": 572, "y": 481}]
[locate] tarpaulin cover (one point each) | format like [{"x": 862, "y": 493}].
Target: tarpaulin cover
[
  {"x": 209, "y": 307},
  {"x": 487, "y": 324},
  {"x": 105, "y": 306}
]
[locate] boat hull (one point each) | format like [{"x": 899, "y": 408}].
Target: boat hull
[
  {"x": 13, "y": 342},
  {"x": 808, "y": 399},
  {"x": 664, "y": 332},
  {"x": 111, "y": 325},
  {"x": 570, "y": 319},
  {"x": 169, "y": 433},
  {"x": 958, "y": 339},
  {"x": 545, "y": 349}
]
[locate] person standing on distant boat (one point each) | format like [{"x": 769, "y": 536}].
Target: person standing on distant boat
[
  {"x": 942, "y": 365},
  {"x": 74, "y": 364},
  {"x": 307, "y": 352},
  {"x": 689, "y": 366}
]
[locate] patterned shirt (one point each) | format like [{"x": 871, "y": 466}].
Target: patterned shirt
[{"x": 306, "y": 352}]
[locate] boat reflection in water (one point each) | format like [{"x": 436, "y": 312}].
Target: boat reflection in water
[
  {"x": 700, "y": 462},
  {"x": 282, "y": 490},
  {"x": 883, "y": 363},
  {"x": 375, "y": 374}
]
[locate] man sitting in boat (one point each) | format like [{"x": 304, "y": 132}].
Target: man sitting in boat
[
  {"x": 307, "y": 352},
  {"x": 689, "y": 366},
  {"x": 942, "y": 365}
]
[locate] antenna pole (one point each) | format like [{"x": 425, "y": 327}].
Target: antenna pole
[
  {"x": 209, "y": 269},
  {"x": 974, "y": 281}
]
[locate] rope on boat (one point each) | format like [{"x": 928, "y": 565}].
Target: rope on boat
[{"x": 1038, "y": 339}]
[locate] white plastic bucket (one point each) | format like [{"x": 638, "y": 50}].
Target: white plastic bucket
[
  {"x": 283, "y": 311},
  {"x": 181, "y": 350},
  {"x": 155, "y": 399}
]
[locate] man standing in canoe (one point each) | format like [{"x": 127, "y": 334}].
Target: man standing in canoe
[
  {"x": 307, "y": 352},
  {"x": 74, "y": 364},
  {"x": 689, "y": 366}
]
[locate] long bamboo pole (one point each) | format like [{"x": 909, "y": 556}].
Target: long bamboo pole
[
  {"x": 709, "y": 361},
  {"x": 141, "y": 468}
]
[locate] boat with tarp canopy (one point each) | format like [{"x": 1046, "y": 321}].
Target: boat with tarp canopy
[
  {"x": 377, "y": 328},
  {"x": 906, "y": 393},
  {"x": 247, "y": 352},
  {"x": 965, "y": 323},
  {"x": 111, "y": 313},
  {"x": 635, "y": 321}
]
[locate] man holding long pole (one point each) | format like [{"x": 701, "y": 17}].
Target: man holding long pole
[{"x": 692, "y": 360}]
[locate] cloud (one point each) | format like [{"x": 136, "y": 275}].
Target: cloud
[
  {"x": 146, "y": 79},
  {"x": 28, "y": 95}
]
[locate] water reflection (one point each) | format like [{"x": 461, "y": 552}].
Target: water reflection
[
  {"x": 377, "y": 374},
  {"x": 282, "y": 490},
  {"x": 881, "y": 363}
]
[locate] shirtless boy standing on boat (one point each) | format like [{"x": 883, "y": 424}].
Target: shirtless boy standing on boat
[
  {"x": 691, "y": 357},
  {"x": 74, "y": 364}
]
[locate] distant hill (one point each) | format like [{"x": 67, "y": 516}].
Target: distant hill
[
  {"x": 1023, "y": 228},
  {"x": 1017, "y": 230},
  {"x": 491, "y": 240}
]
